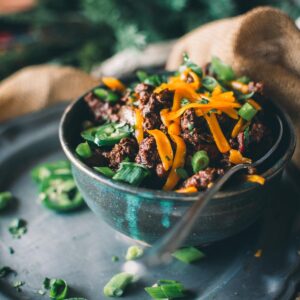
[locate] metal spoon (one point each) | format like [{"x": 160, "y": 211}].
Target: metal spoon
[{"x": 160, "y": 252}]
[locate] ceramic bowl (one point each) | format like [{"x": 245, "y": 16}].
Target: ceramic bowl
[{"x": 145, "y": 215}]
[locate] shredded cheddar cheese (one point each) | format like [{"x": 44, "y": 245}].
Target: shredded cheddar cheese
[
  {"x": 236, "y": 158},
  {"x": 164, "y": 148},
  {"x": 190, "y": 189},
  {"x": 139, "y": 133},
  {"x": 179, "y": 161},
  {"x": 217, "y": 133},
  {"x": 216, "y": 105},
  {"x": 113, "y": 83},
  {"x": 237, "y": 128},
  {"x": 254, "y": 104},
  {"x": 256, "y": 179}
]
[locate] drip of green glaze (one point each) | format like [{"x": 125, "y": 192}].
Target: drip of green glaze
[
  {"x": 166, "y": 207},
  {"x": 133, "y": 205}
]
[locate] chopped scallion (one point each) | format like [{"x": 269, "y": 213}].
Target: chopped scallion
[
  {"x": 223, "y": 71},
  {"x": 188, "y": 255},
  {"x": 5, "y": 198},
  {"x": 209, "y": 83},
  {"x": 106, "y": 171},
  {"x": 247, "y": 111},
  {"x": 117, "y": 284},
  {"x": 200, "y": 161},
  {"x": 84, "y": 150},
  {"x": 182, "y": 173},
  {"x": 134, "y": 252},
  {"x": 166, "y": 289}
]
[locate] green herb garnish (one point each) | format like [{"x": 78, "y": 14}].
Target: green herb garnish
[
  {"x": 223, "y": 72},
  {"x": 200, "y": 161},
  {"x": 247, "y": 111},
  {"x": 134, "y": 252},
  {"x": 17, "y": 228},
  {"x": 182, "y": 173},
  {"x": 114, "y": 258},
  {"x": 166, "y": 289},
  {"x": 84, "y": 150},
  {"x": 18, "y": 284},
  {"x": 132, "y": 173},
  {"x": 106, "y": 95},
  {"x": 117, "y": 284},
  {"x": 209, "y": 83},
  {"x": 5, "y": 271},
  {"x": 106, "y": 171},
  {"x": 187, "y": 63},
  {"x": 5, "y": 199},
  {"x": 188, "y": 255},
  {"x": 58, "y": 288}
]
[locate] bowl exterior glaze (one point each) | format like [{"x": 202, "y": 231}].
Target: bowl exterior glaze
[{"x": 146, "y": 215}]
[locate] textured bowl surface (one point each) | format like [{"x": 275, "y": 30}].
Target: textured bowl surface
[{"x": 146, "y": 215}]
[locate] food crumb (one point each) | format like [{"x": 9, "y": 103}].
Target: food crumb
[{"x": 258, "y": 253}]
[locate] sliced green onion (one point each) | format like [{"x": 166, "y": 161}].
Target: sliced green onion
[
  {"x": 58, "y": 288},
  {"x": 184, "y": 101},
  {"x": 188, "y": 255},
  {"x": 131, "y": 173},
  {"x": 243, "y": 97},
  {"x": 200, "y": 161},
  {"x": 5, "y": 271},
  {"x": 223, "y": 71},
  {"x": 5, "y": 198},
  {"x": 187, "y": 63},
  {"x": 182, "y": 173},
  {"x": 209, "y": 83},
  {"x": 106, "y": 171},
  {"x": 166, "y": 289},
  {"x": 141, "y": 75},
  {"x": 84, "y": 150},
  {"x": 17, "y": 228},
  {"x": 154, "y": 80},
  {"x": 247, "y": 111},
  {"x": 106, "y": 95},
  {"x": 134, "y": 252},
  {"x": 247, "y": 136},
  {"x": 117, "y": 284}
]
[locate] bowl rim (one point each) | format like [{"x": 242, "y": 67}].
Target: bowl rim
[{"x": 172, "y": 195}]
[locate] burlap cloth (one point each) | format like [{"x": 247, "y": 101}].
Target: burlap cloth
[{"x": 263, "y": 44}]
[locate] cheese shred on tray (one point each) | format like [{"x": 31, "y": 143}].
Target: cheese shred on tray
[{"x": 179, "y": 131}]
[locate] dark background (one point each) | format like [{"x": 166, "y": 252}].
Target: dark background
[{"x": 84, "y": 32}]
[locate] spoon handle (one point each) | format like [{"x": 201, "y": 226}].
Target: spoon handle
[{"x": 161, "y": 252}]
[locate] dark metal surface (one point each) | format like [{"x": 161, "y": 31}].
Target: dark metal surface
[{"x": 78, "y": 247}]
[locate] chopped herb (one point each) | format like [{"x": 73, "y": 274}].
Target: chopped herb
[
  {"x": 209, "y": 83},
  {"x": 106, "y": 171},
  {"x": 5, "y": 271},
  {"x": 200, "y": 161},
  {"x": 117, "y": 284},
  {"x": 247, "y": 111},
  {"x": 84, "y": 150},
  {"x": 17, "y": 228},
  {"x": 184, "y": 101},
  {"x": 114, "y": 258},
  {"x": 5, "y": 198},
  {"x": 58, "y": 288},
  {"x": 141, "y": 75},
  {"x": 154, "y": 80},
  {"x": 182, "y": 173},
  {"x": 188, "y": 255},
  {"x": 11, "y": 250},
  {"x": 134, "y": 252},
  {"x": 131, "y": 173},
  {"x": 105, "y": 95},
  {"x": 222, "y": 71},
  {"x": 243, "y": 97},
  {"x": 187, "y": 63},
  {"x": 17, "y": 285},
  {"x": 204, "y": 101},
  {"x": 247, "y": 136},
  {"x": 168, "y": 158},
  {"x": 166, "y": 289}
]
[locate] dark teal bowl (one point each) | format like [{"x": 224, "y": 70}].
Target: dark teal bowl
[{"x": 146, "y": 215}]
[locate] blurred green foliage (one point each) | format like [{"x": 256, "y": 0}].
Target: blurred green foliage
[{"x": 84, "y": 32}]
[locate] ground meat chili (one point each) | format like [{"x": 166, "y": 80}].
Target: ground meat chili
[{"x": 178, "y": 132}]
